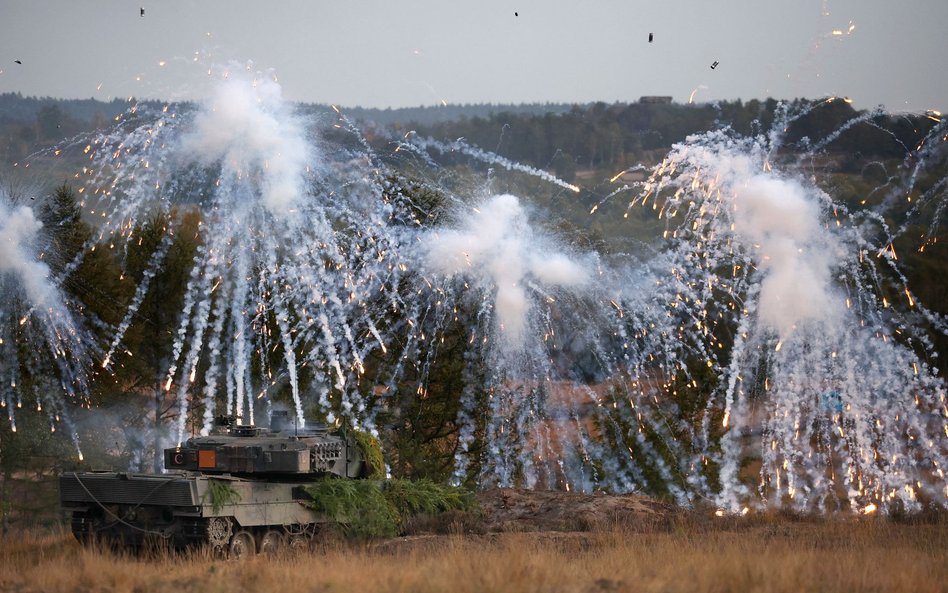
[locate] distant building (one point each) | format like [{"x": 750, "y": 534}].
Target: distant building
[{"x": 656, "y": 99}]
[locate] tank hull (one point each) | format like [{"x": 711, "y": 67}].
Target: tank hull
[{"x": 184, "y": 510}]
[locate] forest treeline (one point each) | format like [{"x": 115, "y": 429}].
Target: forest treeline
[
  {"x": 613, "y": 136},
  {"x": 555, "y": 136},
  {"x": 31, "y": 123}
]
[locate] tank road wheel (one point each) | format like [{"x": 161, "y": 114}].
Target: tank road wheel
[
  {"x": 271, "y": 543},
  {"x": 299, "y": 537},
  {"x": 242, "y": 545},
  {"x": 298, "y": 544},
  {"x": 219, "y": 530}
]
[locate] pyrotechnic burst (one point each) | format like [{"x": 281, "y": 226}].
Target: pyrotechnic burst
[
  {"x": 295, "y": 247},
  {"x": 825, "y": 383},
  {"x": 34, "y": 311},
  {"x": 492, "y": 263}
]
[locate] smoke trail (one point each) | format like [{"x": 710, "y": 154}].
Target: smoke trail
[
  {"x": 141, "y": 291},
  {"x": 462, "y": 147}
]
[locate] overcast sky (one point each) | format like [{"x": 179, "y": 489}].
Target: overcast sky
[{"x": 395, "y": 53}]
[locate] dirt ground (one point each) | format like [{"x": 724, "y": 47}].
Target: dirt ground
[
  {"x": 564, "y": 520},
  {"x": 509, "y": 509},
  {"x": 518, "y": 510}
]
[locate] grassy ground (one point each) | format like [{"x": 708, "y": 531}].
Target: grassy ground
[{"x": 761, "y": 555}]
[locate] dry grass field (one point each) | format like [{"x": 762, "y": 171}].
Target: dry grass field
[{"x": 766, "y": 554}]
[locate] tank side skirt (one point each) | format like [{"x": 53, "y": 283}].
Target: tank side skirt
[{"x": 258, "y": 504}]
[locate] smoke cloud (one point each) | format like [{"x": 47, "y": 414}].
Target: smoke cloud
[
  {"x": 778, "y": 221},
  {"x": 248, "y": 127},
  {"x": 496, "y": 248},
  {"x": 19, "y": 228},
  {"x": 782, "y": 224}
]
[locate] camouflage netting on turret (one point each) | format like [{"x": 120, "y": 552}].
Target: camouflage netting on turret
[{"x": 372, "y": 455}]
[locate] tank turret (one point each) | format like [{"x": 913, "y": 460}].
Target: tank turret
[{"x": 281, "y": 450}]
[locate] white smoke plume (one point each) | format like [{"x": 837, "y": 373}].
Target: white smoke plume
[
  {"x": 497, "y": 248},
  {"x": 19, "y": 228},
  {"x": 778, "y": 222},
  {"x": 35, "y": 311},
  {"x": 781, "y": 223},
  {"x": 247, "y": 127}
]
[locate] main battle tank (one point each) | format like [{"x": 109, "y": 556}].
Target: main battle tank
[{"x": 240, "y": 490}]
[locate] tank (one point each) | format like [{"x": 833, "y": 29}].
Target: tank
[{"x": 240, "y": 490}]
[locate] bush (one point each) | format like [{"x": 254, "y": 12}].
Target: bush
[
  {"x": 426, "y": 497},
  {"x": 366, "y": 509},
  {"x": 358, "y": 506}
]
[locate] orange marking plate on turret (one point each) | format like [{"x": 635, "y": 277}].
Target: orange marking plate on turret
[{"x": 207, "y": 459}]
